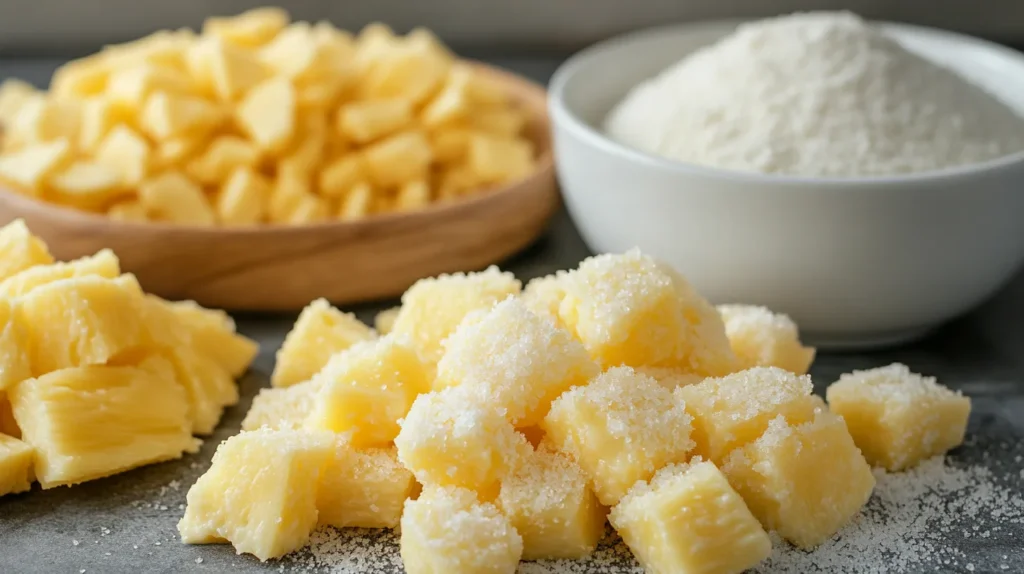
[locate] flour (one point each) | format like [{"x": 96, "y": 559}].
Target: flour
[{"x": 815, "y": 94}]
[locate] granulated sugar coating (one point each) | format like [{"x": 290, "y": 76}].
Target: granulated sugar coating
[{"x": 815, "y": 94}]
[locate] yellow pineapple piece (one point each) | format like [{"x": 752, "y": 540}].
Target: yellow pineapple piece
[
  {"x": 731, "y": 411},
  {"x": 367, "y": 388},
  {"x": 898, "y": 418},
  {"x": 15, "y": 365},
  {"x": 213, "y": 333},
  {"x": 16, "y": 459},
  {"x": 95, "y": 421},
  {"x": 433, "y": 308},
  {"x": 632, "y": 310},
  {"x": 320, "y": 331},
  {"x": 283, "y": 408},
  {"x": 260, "y": 492},
  {"x": 549, "y": 502},
  {"x": 621, "y": 428},
  {"x": 448, "y": 438},
  {"x": 103, "y": 264},
  {"x": 208, "y": 387},
  {"x": 447, "y": 529},
  {"x": 81, "y": 321},
  {"x": 803, "y": 481},
  {"x": 384, "y": 321},
  {"x": 518, "y": 361},
  {"x": 363, "y": 488},
  {"x": 761, "y": 338},
  {"x": 544, "y": 296},
  {"x": 19, "y": 249},
  {"x": 688, "y": 520},
  {"x": 670, "y": 378}
]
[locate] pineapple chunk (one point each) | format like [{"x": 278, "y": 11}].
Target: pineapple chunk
[
  {"x": 103, "y": 264},
  {"x": 550, "y": 503},
  {"x": 81, "y": 321},
  {"x": 19, "y": 249},
  {"x": 95, "y": 421},
  {"x": 631, "y": 310},
  {"x": 688, "y": 520},
  {"x": 15, "y": 465},
  {"x": 732, "y": 411},
  {"x": 518, "y": 361},
  {"x": 450, "y": 439},
  {"x": 433, "y": 308},
  {"x": 384, "y": 321},
  {"x": 805, "y": 481},
  {"x": 259, "y": 493},
  {"x": 544, "y": 296},
  {"x": 367, "y": 389},
  {"x": 320, "y": 332},
  {"x": 208, "y": 387},
  {"x": 761, "y": 338},
  {"x": 363, "y": 488},
  {"x": 448, "y": 529},
  {"x": 283, "y": 408},
  {"x": 899, "y": 418},
  {"x": 14, "y": 359},
  {"x": 213, "y": 333},
  {"x": 621, "y": 428},
  {"x": 670, "y": 378}
]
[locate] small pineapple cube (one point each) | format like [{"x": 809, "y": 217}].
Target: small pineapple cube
[
  {"x": 260, "y": 492},
  {"x": 208, "y": 387},
  {"x": 80, "y": 78},
  {"x": 496, "y": 159},
  {"x": 14, "y": 94},
  {"x": 45, "y": 119},
  {"x": 621, "y": 428},
  {"x": 398, "y": 158},
  {"x": 517, "y": 360},
  {"x": 734, "y": 410},
  {"x": 172, "y": 196},
  {"x": 86, "y": 185},
  {"x": 168, "y": 115},
  {"x": 283, "y": 408},
  {"x": 95, "y": 421},
  {"x": 213, "y": 333},
  {"x": 27, "y": 168},
  {"x": 413, "y": 195},
  {"x": 365, "y": 121},
  {"x": 267, "y": 114},
  {"x": 320, "y": 332},
  {"x": 367, "y": 389},
  {"x": 226, "y": 70},
  {"x": 688, "y": 520},
  {"x": 99, "y": 116},
  {"x": 899, "y": 418},
  {"x": 19, "y": 249},
  {"x": 16, "y": 460},
  {"x": 131, "y": 86},
  {"x": 249, "y": 29},
  {"x": 126, "y": 151},
  {"x": 447, "y": 529},
  {"x": 15, "y": 364},
  {"x": 103, "y": 264},
  {"x": 549, "y": 501},
  {"x": 384, "y": 321},
  {"x": 81, "y": 321},
  {"x": 410, "y": 72},
  {"x": 356, "y": 203},
  {"x": 631, "y": 310},
  {"x": 544, "y": 296},
  {"x": 340, "y": 175},
  {"x": 363, "y": 488},
  {"x": 670, "y": 378},
  {"x": 243, "y": 198},
  {"x": 450, "y": 439},
  {"x": 222, "y": 157},
  {"x": 433, "y": 308},
  {"x": 804, "y": 481},
  {"x": 761, "y": 338},
  {"x": 129, "y": 211}
]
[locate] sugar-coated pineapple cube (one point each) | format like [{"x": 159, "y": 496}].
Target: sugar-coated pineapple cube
[
  {"x": 518, "y": 361},
  {"x": 367, "y": 388},
  {"x": 212, "y": 333},
  {"x": 734, "y": 410},
  {"x": 363, "y": 488},
  {"x": 898, "y": 418},
  {"x": 670, "y": 378},
  {"x": 384, "y": 321},
  {"x": 761, "y": 338},
  {"x": 283, "y": 408},
  {"x": 549, "y": 502},
  {"x": 804, "y": 481},
  {"x": 544, "y": 295},
  {"x": 103, "y": 264},
  {"x": 433, "y": 308},
  {"x": 16, "y": 460},
  {"x": 688, "y": 520},
  {"x": 621, "y": 428},
  {"x": 320, "y": 332},
  {"x": 86, "y": 320},
  {"x": 15, "y": 364},
  {"x": 19, "y": 249},
  {"x": 27, "y": 168},
  {"x": 89, "y": 422},
  {"x": 447, "y": 529},
  {"x": 632, "y": 310},
  {"x": 259, "y": 493},
  {"x": 450, "y": 439},
  {"x": 267, "y": 114}
]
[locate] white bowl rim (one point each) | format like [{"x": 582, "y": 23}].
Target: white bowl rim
[{"x": 562, "y": 115}]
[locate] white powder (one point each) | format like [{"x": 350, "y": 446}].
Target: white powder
[{"x": 815, "y": 94}]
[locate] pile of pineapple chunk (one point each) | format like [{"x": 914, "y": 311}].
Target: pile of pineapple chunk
[
  {"x": 494, "y": 424},
  {"x": 97, "y": 377}
]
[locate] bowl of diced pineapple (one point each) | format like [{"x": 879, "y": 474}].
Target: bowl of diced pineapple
[{"x": 262, "y": 163}]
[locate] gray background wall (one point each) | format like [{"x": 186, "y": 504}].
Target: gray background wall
[{"x": 56, "y": 27}]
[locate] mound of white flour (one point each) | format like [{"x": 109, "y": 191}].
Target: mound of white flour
[{"x": 815, "y": 94}]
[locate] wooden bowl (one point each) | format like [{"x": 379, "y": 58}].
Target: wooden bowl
[{"x": 282, "y": 268}]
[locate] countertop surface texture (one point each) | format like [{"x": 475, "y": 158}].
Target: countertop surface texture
[{"x": 127, "y": 523}]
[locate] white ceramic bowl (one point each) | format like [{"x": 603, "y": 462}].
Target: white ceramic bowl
[{"x": 856, "y": 262}]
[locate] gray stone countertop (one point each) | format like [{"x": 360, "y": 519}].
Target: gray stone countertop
[{"x": 126, "y": 523}]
